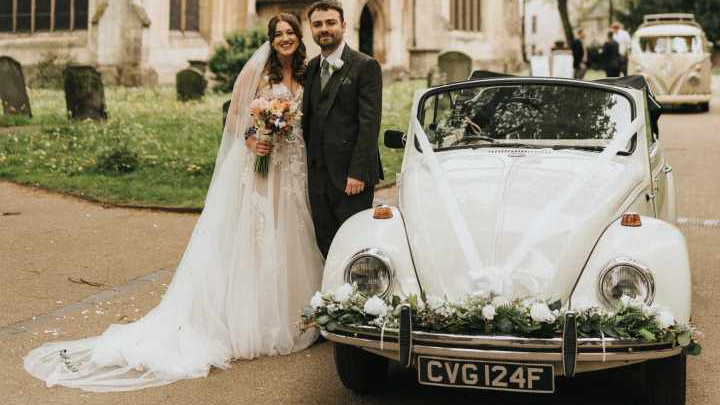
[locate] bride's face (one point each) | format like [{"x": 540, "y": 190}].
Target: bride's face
[{"x": 285, "y": 41}]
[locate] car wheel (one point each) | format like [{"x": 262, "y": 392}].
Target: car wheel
[
  {"x": 358, "y": 369},
  {"x": 704, "y": 107},
  {"x": 665, "y": 380}
]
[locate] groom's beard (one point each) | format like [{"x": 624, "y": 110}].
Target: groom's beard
[{"x": 328, "y": 42}]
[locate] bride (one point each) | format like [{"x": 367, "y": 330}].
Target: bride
[{"x": 249, "y": 268}]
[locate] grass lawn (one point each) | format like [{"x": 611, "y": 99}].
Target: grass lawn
[{"x": 153, "y": 150}]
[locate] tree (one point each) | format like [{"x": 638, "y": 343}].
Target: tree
[
  {"x": 707, "y": 13},
  {"x": 565, "y": 18},
  {"x": 228, "y": 60}
]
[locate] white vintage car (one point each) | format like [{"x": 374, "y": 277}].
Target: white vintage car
[
  {"x": 673, "y": 53},
  {"x": 523, "y": 186}
]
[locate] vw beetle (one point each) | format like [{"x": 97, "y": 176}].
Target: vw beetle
[
  {"x": 561, "y": 189},
  {"x": 673, "y": 53}
]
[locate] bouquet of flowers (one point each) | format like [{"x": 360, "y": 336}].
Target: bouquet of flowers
[{"x": 272, "y": 118}]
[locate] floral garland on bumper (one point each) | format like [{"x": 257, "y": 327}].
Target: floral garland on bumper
[{"x": 484, "y": 314}]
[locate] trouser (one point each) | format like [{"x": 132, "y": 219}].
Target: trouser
[
  {"x": 330, "y": 207},
  {"x": 580, "y": 72},
  {"x": 624, "y": 65}
]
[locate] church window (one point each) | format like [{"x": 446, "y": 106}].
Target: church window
[
  {"x": 43, "y": 15},
  {"x": 185, "y": 15},
  {"x": 466, "y": 15}
]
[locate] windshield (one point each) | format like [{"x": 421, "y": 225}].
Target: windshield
[
  {"x": 670, "y": 44},
  {"x": 545, "y": 115}
]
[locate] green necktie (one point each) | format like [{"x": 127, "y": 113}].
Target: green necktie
[{"x": 324, "y": 73}]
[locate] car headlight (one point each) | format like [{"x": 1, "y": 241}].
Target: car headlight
[
  {"x": 372, "y": 270},
  {"x": 626, "y": 277}
]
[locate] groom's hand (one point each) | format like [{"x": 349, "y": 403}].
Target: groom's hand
[{"x": 354, "y": 186}]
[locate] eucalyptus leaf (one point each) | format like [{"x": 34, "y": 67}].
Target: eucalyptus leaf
[
  {"x": 331, "y": 326},
  {"x": 322, "y": 320},
  {"x": 647, "y": 335}
]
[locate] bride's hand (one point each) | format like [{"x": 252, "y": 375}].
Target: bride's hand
[{"x": 259, "y": 148}]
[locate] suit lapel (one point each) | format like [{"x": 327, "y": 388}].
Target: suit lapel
[
  {"x": 307, "y": 95},
  {"x": 331, "y": 89}
]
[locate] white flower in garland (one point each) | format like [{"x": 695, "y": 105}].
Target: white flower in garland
[
  {"x": 540, "y": 312},
  {"x": 343, "y": 292},
  {"x": 631, "y": 302},
  {"x": 317, "y": 301},
  {"x": 375, "y": 306},
  {"x": 665, "y": 319},
  {"x": 488, "y": 312}
]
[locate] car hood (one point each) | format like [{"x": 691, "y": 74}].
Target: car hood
[{"x": 501, "y": 194}]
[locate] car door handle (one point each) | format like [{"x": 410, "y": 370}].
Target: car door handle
[{"x": 667, "y": 169}]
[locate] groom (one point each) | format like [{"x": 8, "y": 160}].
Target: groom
[{"x": 342, "y": 104}]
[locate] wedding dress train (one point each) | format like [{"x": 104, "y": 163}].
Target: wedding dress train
[{"x": 249, "y": 268}]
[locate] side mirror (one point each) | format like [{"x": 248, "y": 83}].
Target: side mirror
[{"x": 394, "y": 139}]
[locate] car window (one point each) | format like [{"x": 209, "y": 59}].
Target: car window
[
  {"x": 680, "y": 44},
  {"x": 541, "y": 114}
]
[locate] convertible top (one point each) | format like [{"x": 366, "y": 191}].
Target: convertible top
[
  {"x": 635, "y": 81},
  {"x": 638, "y": 82}
]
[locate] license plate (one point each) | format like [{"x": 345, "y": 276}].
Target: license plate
[{"x": 501, "y": 376}]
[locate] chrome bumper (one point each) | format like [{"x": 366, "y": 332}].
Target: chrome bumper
[
  {"x": 682, "y": 98},
  {"x": 504, "y": 348}
]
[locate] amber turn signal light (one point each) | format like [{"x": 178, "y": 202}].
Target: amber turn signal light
[
  {"x": 382, "y": 212},
  {"x": 631, "y": 219}
]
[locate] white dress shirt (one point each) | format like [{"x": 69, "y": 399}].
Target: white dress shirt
[
  {"x": 623, "y": 39},
  {"x": 335, "y": 55}
]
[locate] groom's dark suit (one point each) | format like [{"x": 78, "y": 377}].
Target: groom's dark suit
[{"x": 340, "y": 124}]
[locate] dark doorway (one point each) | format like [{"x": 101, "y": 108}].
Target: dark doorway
[{"x": 366, "y": 32}]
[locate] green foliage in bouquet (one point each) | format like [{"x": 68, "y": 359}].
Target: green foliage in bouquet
[{"x": 228, "y": 60}]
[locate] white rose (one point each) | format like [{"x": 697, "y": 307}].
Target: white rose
[
  {"x": 488, "y": 312},
  {"x": 540, "y": 312},
  {"x": 665, "y": 319},
  {"x": 343, "y": 292},
  {"x": 500, "y": 301},
  {"x": 375, "y": 306},
  {"x": 317, "y": 300}
]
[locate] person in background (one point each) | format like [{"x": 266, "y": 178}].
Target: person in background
[
  {"x": 611, "y": 56},
  {"x": 580, "y": 55},
  {"x": 623, "y": 40}
]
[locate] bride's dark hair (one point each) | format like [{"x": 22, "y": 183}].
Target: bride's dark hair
[{"x": 274, "y": 67}]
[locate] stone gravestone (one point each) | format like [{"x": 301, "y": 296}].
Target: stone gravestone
[
  {"x": 84, "y": 93},
  {"x": 226, "y": 108},
  {"x": 455, "y": 65},
  {"x": 12, "y": 88},
  {"x": 190, "y": 85}
]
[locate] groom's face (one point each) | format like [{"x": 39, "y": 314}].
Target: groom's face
[{"x": 327, "y": 28}]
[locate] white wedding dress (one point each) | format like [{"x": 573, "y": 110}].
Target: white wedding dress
[{"x": 250, "y": 267}]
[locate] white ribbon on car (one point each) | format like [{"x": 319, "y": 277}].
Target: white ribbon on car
[
  {"x": 486, "y": 278},
  {"x": 481, "y": 277},
  {"x": 551, "y": 212}
]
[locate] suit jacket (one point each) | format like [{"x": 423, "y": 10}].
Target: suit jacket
[
  {"x": 345, "y": 115},
  {"x": 611, "y": 55},
  {"x": 578, "y": 51}
]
